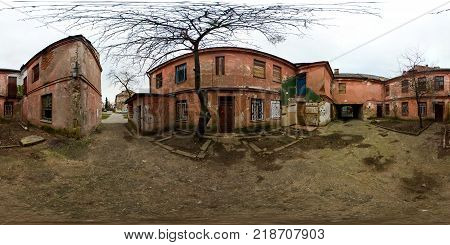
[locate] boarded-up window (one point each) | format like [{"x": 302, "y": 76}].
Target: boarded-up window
[
  {"x": 342, "y": 88},
  {"x": 405, "y": 109},
  {"x": 180, "y": 73},
  {"x": 181, "y": 110},
  {"x": 36, "y": 73},
  {"x": 405, "y": 86},
  {"x": 438, "y": 83},
  {"x": 46, "y": 112},
  {"x": 259, "y": 69},
  {"x": 422, "y": 84},
  {"x": 275, "y": 109},
  {"x": 257, "y": 109},
  {"x": 387, "y": 109},
  {"x": 423, "y": 108},
  {"x": 220, "y": 65},
  {"x": 387, "y": 89},
  {"x": 12, "y": 87},
  {"x": 277, "y": 74},
  {"x": 159, "y": 80}
]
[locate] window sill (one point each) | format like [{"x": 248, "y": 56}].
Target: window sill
[
  {"x": 258, "y": 121},
  {"x": 46, "y": 121}
]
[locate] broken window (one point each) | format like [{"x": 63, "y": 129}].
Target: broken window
[
  {"x": 180, "y": 73},
  {"x": 386, "y": 109},
  {"x": 181, "y": 110},
  {"x": 342, "y": 88},
  {"x": 46, "y": 107},
  {"x": 257, "y": 110},
  {"x": 159, "y": 80},
  {"x": 405, "y": 109},
  {"x": 423, "y": 108},
  {"x": 405, "y": 86},
  {"x": 220, "y": 65},
  {"x": 36, "y": 73},
  {"x": 422, "y": 84},
  {"x": 387, "y": 89},
  {"x": 276, "y": 74},
  {"x": 438, "y": 83},
  {"x": 259, "y": 69},
  {"x": 275, "y": 109}
]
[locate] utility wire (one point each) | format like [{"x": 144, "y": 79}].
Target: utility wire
[
  {"x": 390, "y": 31},
  {"x": 32, "y": 17}
]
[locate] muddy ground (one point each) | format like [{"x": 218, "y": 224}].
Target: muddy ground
[{"x": 348, "y": 173}]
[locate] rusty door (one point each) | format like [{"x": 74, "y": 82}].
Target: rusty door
[{"x": 226, "y": 114}]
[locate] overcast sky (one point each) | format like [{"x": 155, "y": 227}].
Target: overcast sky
[{"x": 20, "y": 40}]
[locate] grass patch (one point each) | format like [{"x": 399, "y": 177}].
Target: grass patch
[
  {"x": 105, "y": 116},
  {"x": 70, "y": 148}
]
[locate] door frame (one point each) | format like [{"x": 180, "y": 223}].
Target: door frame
[
  {"x": 232, "y": 100},
  {"x": 441, "y": 105},
  {"x": 379, "y": 110},
  {"x": 8, "y": 103}
]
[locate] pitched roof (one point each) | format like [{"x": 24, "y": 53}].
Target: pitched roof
[{"x": 360, "y": 76}]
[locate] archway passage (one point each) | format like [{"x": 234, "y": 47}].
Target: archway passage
[{"x": 347, "y": 112}]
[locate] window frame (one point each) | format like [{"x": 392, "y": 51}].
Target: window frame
[
  {"x": 405, "y": 112},
  {"x": 423, "y": 105},
  {"x": 261, "y": 64},
  {"x": 159, "y": 80},
  {"x": 43, "y": 109},
  {"x": 387, "y": 89},
  {"x": 256, "y": 110},
  {"x": 387, "y": 109},
  {"x": 344, "y": 90},
  {"x": 177, "y": 79},
  {"x": 440, "y": 87},
  {"x": 405, "y": 89},
  {"x": 181, "y": 117},
  {"x": 275, "y": 67},
  {"x": 272, "y": 116},
  {"x": 36, "y": 73},
  {"x": 422, "y": 84},
  {"x": 220, "y": 65}
]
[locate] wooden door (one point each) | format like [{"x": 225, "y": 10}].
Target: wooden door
[
  {"x": 226, "y": 114},
  {"x": 439, "y": 112},
  {"x": 379, "y": 110},
  {"x": 139, "y": 119}
]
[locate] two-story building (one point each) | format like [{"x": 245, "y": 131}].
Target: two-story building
[
  {"x": 11, "y": 92},
  {"x": 61, "y": 87}
]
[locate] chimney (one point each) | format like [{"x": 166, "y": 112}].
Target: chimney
[{"x": 336, "y": 71}]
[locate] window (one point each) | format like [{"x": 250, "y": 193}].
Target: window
[
  {"x": 159, "y": 80},
  {"x": 277, "y": 74},
  {"x": 423, "y": 108},
  {"x": 8, "y": 111},
  {"x": 275, "y": 109},
  {"x": 46, "y": 107},
  {"x": 25, "y": 85},
  {"x": 36, "y": 73},
  {"x": 422, "y": 84},
  {"x": 405, "y": 109},
  {"x": 342, "y": 88},
  {"x": 386, "y": 109},
  {"x": 257, "y": 110},
  {"x": 180, "y": 73},
  {"x": 387, "y": 89},
  {"x": 220, "y": 65},
  {"x": 438, "y": 83},
  {"x": 259, "y": 69},
  {"x": 181, "y": 110},
  {"x": 405, "y": 86}
]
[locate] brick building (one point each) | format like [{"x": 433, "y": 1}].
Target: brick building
[
  {"x": 11, "y": 92},
  {"x": 62, "y": 87},
  {"x": 119, "y": 102}
]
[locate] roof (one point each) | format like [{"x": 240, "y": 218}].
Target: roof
[
  {"x": 9, "y": 70},
  {"x": 63, "y": 41},
  {"x": 360, "y": 76},
  {"x": 421, "y": 72},
  {"x": 318, "y": 63},
  {"x": 215, "y": 49}
]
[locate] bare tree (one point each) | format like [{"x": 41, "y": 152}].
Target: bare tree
[
  {"x": 152, "y": 32},
  {"x": 124, "y": 79},
  {"x": 416, "y": 74}
]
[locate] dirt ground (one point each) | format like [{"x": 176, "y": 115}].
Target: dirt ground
[
  {"x": 345, "y": 174},
  {"x": 11, "y": 133},
  {"x": 404, "y": 125}
]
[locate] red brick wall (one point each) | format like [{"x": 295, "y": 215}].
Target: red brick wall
[{"x": 358, "y": 91}]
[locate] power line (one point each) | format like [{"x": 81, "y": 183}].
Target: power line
[
  {"x": 390, "y": 31},
  {"x": 32, "y": 17}
]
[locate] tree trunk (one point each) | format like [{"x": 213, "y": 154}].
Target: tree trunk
[
  {"x": 204, "y": 116},
  {"x": 418, "y": 112}
]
